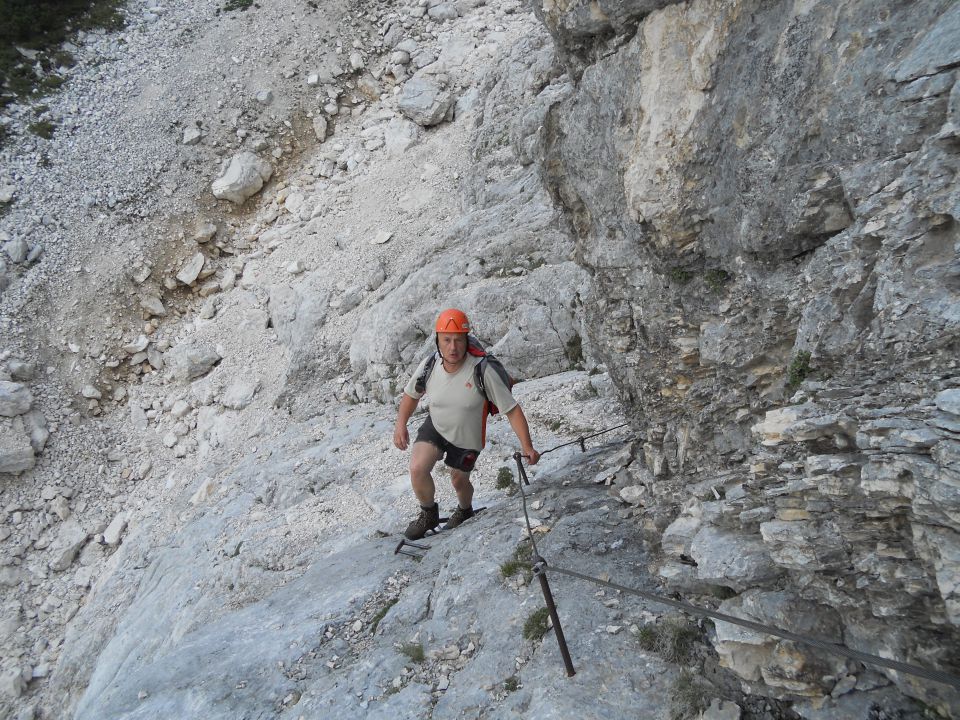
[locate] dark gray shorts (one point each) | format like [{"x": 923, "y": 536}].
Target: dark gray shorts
[{"x": 455, "y": 457}]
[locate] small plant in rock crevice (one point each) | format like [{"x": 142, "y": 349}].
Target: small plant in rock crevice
[
  {"x": 799, "y": 370},
  {"x": 504, "y": 478},
  {"x": 414, "y": 651},
  {"x": 716, "y": 279},
  {"x": 688, "y": 696},
  {"x": 381, "y": 613},
  {"x": 42, "y": 128},
  {"x": 536, "y": 625},
  {"x": 673, "y": 639}
]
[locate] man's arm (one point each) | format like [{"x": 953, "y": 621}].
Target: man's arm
[
  {"x": 401, "y": 438},
  {"x": 518, "y": 421}
]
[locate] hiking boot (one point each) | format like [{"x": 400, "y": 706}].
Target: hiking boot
[
  {"x": 457, "y": 517},
  {"x": 428, "y": 519}
]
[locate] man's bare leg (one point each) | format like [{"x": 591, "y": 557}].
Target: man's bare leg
[
  {"x": 463, "y": 487},
  {"x": 422, "y": 460}
]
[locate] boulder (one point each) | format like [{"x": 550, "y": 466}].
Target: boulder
[
  {"x": 243, "y": 178},
  {"x": 399, "y": 135},
  {"x": 16, "y": 249},
  {"x": 68, "y": 543},
  {"x": 730, "y": 559},
  {"x": 16, "y": 454},
  {"x": 15, "y": 398},
  {"x": 191, "y": 270},
  {"x": 240, "y": 394},
  {"x": 424, "y": 101},
  {"x": 191, "y": 361}
]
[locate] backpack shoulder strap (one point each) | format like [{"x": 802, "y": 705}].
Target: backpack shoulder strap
[{"x": 421, "y": 384}]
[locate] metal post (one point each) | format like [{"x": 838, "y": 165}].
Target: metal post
[
  {"x": 538, "y": 570},
  {"x": 583, "y": 446},
  {"x": 523, "y": 473}
]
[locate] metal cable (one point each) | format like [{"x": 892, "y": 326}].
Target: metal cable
[
  {"x": 521, "y": 479},
  {"x": 580, "y": 440},
  {"x": 866, "y": 658},
  {"x": 540, "y": 566}
]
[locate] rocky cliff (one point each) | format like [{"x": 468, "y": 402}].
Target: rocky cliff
[
  {"x": 765, "y": 198},
  {"x": 731, "y": 223}
]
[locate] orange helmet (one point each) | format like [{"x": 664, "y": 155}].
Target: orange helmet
[{"x": 453, "y": 321}]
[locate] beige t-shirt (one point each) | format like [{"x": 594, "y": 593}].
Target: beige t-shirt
[{"x": 457, "y": 405}]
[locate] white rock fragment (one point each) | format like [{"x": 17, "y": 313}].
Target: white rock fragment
[
  {"x": 243, "y": 178},
  {"x": 320, "y": 127},
  {"x": 240, "y": 394},
  {"x": 191, "y": 270},
  {"x": 91, "y": 393},
  {"x": 153, "y": 305},
  {"x": 382, "y": 236},
  {"x": 203, "y": 493},
  {"x": 137, "y": 346},
  {"x": 15, "y": 399},
  {"x": 67, "y": 544},
  {"x": 424, "y": 101},
  {"x": 114, "y": 531},
  {"x": 192, "y": 135}
]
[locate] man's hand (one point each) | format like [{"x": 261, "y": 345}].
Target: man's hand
[
  {"x": 531, "y": 455},
  {"x": 401, "y": 437}
]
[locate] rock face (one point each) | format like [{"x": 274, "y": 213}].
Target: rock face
[
  {"x": 243, "y": 178},
  {"x": 761, "y": 195}
]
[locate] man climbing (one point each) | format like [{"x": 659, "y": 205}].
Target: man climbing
[{"x": 456, "y": 424}]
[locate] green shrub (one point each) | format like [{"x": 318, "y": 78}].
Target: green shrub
[
  {"x": 672, "y": 639},
  {"x": 414, "y": 651},
  {"x": 688, "y": 697},
  {"x": 716, "y": 278},
  {"x": 504, "y": 478},
  {"x": 43, "y": 25},
  {"x": 680, "y": 276},
  {"x": 42, "y": 128},
  {"x": 799, "y": 370},
  {"x": 536, "y": 625},
  {"x": 575, "y": 350},
  {"x": 381, "y": 613},
  {"x": 521, "y": 560},
  {"x": 237, "y": 5},
  {"x": 511, "y": 684}
]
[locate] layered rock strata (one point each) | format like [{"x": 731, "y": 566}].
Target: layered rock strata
[{"x": 765, "y": 197}]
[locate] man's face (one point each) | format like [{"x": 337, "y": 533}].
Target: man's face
[{"x": 453, "y": 346}]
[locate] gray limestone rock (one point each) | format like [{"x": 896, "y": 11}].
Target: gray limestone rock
[
  {"x": 16, "y": 249},
  {"x": 16, "y": 453},
  {"x": 400, "y": 135},
  {"x": 190, "y": 361},
  {"x": 70, "y": 538},
  {"x": 15, "y": 398},
  {"x": 190, "y": 271},
  {"x": 240, "y": 394},
  {"x": 243, "y": 178},
  {"x": 152, "y": 305},
  {"x": 21, "y": 371},
  {"x": 424, "y": 101},
  {"x": 734, "y": 560}
]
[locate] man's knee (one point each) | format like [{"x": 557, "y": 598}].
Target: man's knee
[
  {"x": 460, "y": 479},
  {"x": 422, "y": 460}
]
